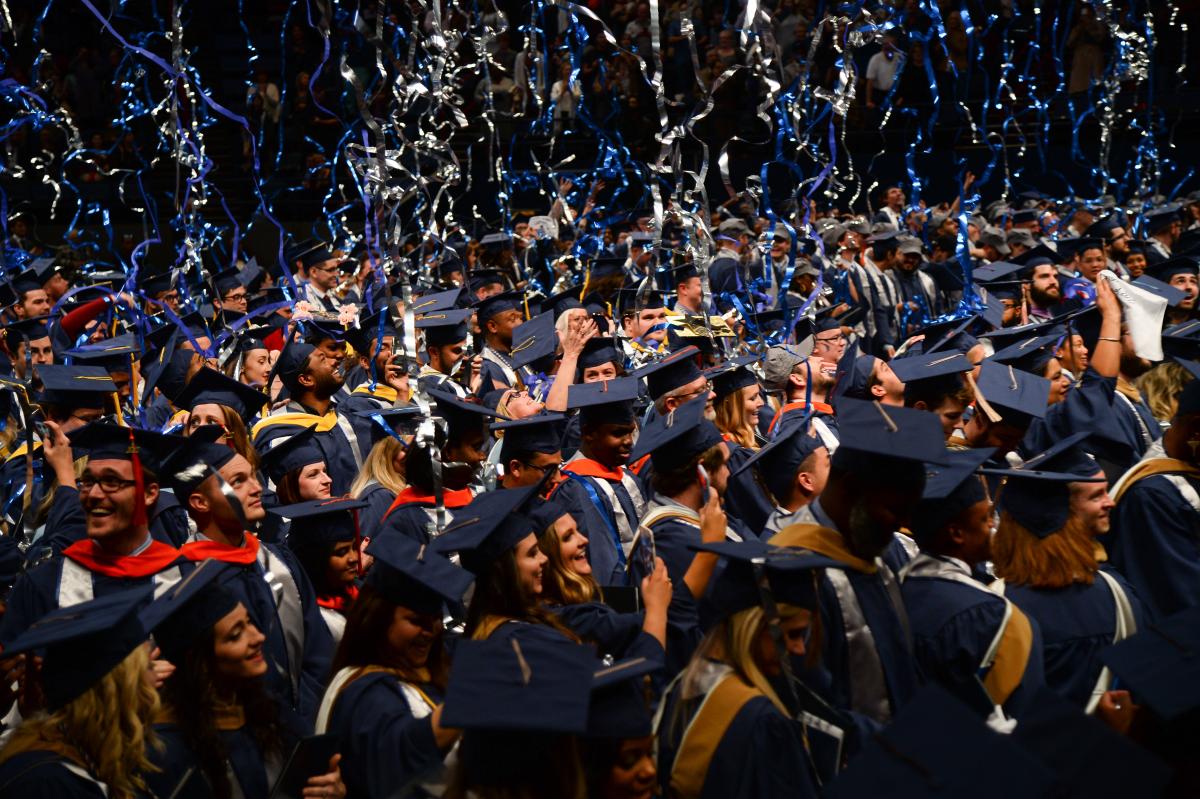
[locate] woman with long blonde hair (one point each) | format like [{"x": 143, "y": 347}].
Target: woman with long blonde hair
[
  {"x": 572, "y": 593},
  {"x": 725, "y": 700},
  {"x": 379, "y": 480},
  {"x": 738, "y": 402},
  {"x": 94, "y": 736}
]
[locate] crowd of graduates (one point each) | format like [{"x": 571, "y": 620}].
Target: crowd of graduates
[{"x": 902, "y": 504}]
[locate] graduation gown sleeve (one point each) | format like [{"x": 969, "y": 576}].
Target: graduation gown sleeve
[
  {"x": 318, "y": 643},
  {"x": 45, "y": 775},
  {"x": 1155, "y": 544},
  {"x": 66, "y": 522},
  {"x": 384, "y": 747},
  {"x": 760, "y": 756},
  {"x": 616, "y": 634}
]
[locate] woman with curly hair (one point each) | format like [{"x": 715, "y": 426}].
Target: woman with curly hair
[
  {"x": 224, "y": 733},
  {"x": 94, "y": 737}
]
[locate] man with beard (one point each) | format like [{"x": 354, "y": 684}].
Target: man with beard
[
  {"x": 599, "y": 491},
  {"x": 445, "y": 334},
  {"x": 222, "y": 495},
  {"x": 1044, "y": 291},
  {"x": 916, "y": 290},
  {"x": 1163, "y": 228},
  {"x": 875, "y": 480},
  {"x": 800, "y": 385},
  {"x": 1115, "y": 240},
  {"x": 1181, "y": 273},
  {"x": 498, "y": 316},
  {"x": 1158, "y": 513},
  {"x": 311, "y": 377}
]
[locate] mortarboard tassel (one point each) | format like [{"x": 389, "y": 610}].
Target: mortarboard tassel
[{"x": 139, "y": 484}]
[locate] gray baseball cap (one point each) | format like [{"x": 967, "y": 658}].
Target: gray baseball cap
[{"x": 781, "y": 360}]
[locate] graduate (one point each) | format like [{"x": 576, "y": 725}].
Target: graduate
[
  {"x": 1046, "y": 552},
  {"x": 529, "y": 448},
  {"x": 390, "y": 671},
  {"x": 570, "y": 591},
  {"x": 598, "y": 489},
  {"x": 381, "y": 382},
  {"x": 445, "y": 333},
  {"x": 211, "y": 398},
  {"x": 311, "y": 378},
  {"x": 792, "y": 468},
  {"x": 324, "y": 537},
  {"x": 496, "y": 540},
  {"x": 737, "y": 409},
  {"x": 976, "y": 644},
  {"x": 117, "y": 490},
  {"x": 298, "y": 469},
  {"x": 498, "y": 316},
  {"x": 618, "y": 748},
  {"x": 725, "y": 730},
  {"x": 383, "y": 474},
  {"x": 875, "y": 480},
  {"x": 460, "y": 447},
  {"x": 689, "y": 461},
  {"x": 513, "y": 698},
  {"x": 1157, "y": 515},
  {"x": 224, "y": 499},
  {"x": 94, "y": 739},
  {"x": 223, "y": 732}
]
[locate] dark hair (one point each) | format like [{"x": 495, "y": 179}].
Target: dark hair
[
  {"x": 498, "y": 765},
  {"x": 499, "y": 593},
  {"x": 599, "y": 755},
  {"x": 364, "y": 642},
  {"x": 191, "y": 693},
  {"x": 314, "y": 559},
  {"x": 934, "y": 391},
  {"x": 418, "y": 463},
  {"x": 780, "y": 482},
  {"x": 288, "y": 488},
  {"x": 672, "y": 482}
]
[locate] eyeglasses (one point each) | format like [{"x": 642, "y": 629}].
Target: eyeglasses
[
  {"x": 235, "y": 297},
  {"x": 108, "y": 484},
  {"x": 831, "y": 339}
]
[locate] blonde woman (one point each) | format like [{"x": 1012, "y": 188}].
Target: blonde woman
[
  {"x": 378, "y": 482},
  {"x": 737, "y": 404},
  {"x": 94, "y": 736},
  {"x": 1161, "y": 387},
  {"x": 572, "y": 593},
  {"x": 725, "y": 731}
]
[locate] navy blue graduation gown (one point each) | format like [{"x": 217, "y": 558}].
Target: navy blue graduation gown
[
  {"x": 40, "y": 774},
  {"x": 384, "y": 747},
  {"x": 245, "y": 759},
  {"x": 745, "y": 498},
  {"x": 248, "y": 584},
  {"x": 413, "y": 514},
  {"x": 1090, "y": 405},
  {"x": 1155, "y": 544},
  {"x": 761, "y": 755},
  {"x": 364, "y": 400},
  {"x": 1077, "y": 623},
  {"x": 953, "y": 627},
  {"x": 671, "y": 539},
  {"x": 613, "y": 633},
  {"x": 589, "y": 506},
  {"x": 36, "y": 592},
  {"x": 341, "y": 449},
  {"x": 370, "y": 518}
]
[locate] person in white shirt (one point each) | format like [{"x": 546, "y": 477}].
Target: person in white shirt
[{"x": 882, "y": 69}]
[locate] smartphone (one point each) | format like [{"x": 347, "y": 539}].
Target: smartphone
[
  {"x": 702, "y": 474},
  {"x": 601, "y": 322},
  {"x": 309, "y": 759}
]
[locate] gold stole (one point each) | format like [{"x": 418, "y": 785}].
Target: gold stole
[{"x": 704, "y": 734}]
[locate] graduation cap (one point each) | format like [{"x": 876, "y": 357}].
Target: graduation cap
[
  {"x": 1161, "y": 218},
  {"x": 733, "y": 375},
  {"x": 1178, "y": 265},
  {"x": 598, "y": 351},
  {"x": 80, "y": 386},
  {"x": 378, "y": 325},
  {"x": 1031, "y": 354},
  {"x": 854, "y": 375},
  {"x": 633, "y": 300},
  {"x": 291, "y": 454},
  {"x": 1161, "y": 664},
  {"x": 30, "y": 329},
  {"x": 227, "y": 280},
  {"x": 290, "y": 364},
  {"x": 446, "y": 266},
  {"x": 997, "y": 270},
  {"x": 563, "y": 301},
  {"x": 1036, "y": 494},
  {"x": 196, "y": 459},
  {"x": 1069, "y": 248},
  {"x": 618, "y": 707},
  {"x": 184, "y": 613},
  {"x": 1016, "y": 396},
  {"x": 886, "y": 431},
  {"x": 937, "y": 746},
  {"x": 790, "y": 574},
  {"x": 1041, "y": 254},
  {"x": 673, "y": 438},
  {"x": 914, "y": 368},
  {"x": 605, "y": 401},
  {"x": 481, "y": 278},
  {"x": 438, "y": 301},
  {"x": 1002, "y": 337},
  {"x": 209, "y": 386},
  {"x": 949, "y": 490},
  {"x": 315, "y": 254},
  {"x": 521, "y": 683},
  {"x": 682, "y": 272},
  {"x": 84, "y": 642},
  {"x": 114, "y": 354},
  {"x": 949, "y": 335},
  {"x": 497, "y": 241},
  {"x": 676, "y": 370},
  {"x": 534, "y": 340},
  {"x": 458, "y": 411},
  {"x": 605, "y": 266},
  {"x": 497, "y": 304},
  {"x": 493, "y": 523},
  {"x": 392, "y": 422},
  {"x": 321, "y": 521},
  {"x": 414, "y": 576},
  {"x": 779, "y": 460},
  {"x": 167, "y": 370},
  {"x": 540, "y": 433},
  {"x": 1172, "y": 295},
  {"x": 1071, "y": 743},
  {"x": 444, "y": 327},
  {"x": 107, "y": 441}
]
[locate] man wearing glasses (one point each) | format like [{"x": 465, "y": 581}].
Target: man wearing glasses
[
  {"x": 115, "y": 495},
  {"x": 322, "y": 277},
  {"x": 230, "y": 296}
]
